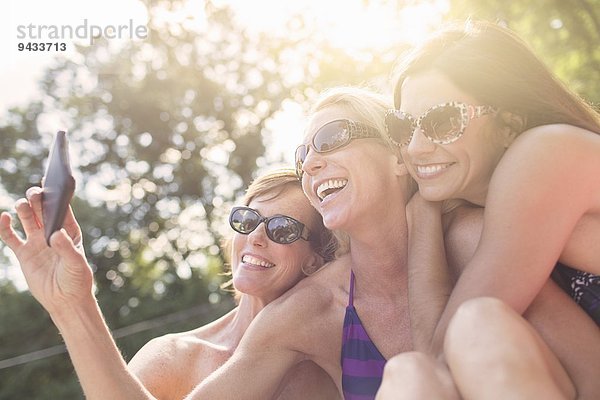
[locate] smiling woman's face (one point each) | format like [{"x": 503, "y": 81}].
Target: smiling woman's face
[
  {"x": 345, "y": 184},
  {"x": 267, "y": 269},
  {"x": 461, "y": 169}
]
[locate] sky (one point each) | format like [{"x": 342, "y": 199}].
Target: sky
[
  {"x": 348, "y": 24},
  {"x": 20, "y": 70}
]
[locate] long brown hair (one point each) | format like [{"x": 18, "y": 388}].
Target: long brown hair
[{"x": 496, "y": 67}]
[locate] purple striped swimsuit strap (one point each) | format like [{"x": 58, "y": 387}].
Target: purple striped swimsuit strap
[{"x": 351, "y": 294}]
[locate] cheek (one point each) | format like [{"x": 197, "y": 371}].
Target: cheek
[
  {"x": 237, "y": 244},
  {"x": 293, "y": 259},
  {"x": 486, "y": 154},
  {"x": 312, "y": 198},
  {"x": 404, "y": 154}
]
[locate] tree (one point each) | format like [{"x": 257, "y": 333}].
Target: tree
[
  {"x": 166, "y": 132},
  {"x": 565, "y": 34}
]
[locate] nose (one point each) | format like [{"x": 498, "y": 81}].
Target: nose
[
  {"x": 419, "y": 144},
  {"x": 258, "y": 237},
  {"x": 313, "y": 162}
]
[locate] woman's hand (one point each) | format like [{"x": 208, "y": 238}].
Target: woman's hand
[{"x": 58, "y": 275}]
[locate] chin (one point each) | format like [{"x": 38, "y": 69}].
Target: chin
[
  {"x": 333, "y": 221},
  {"x": 434, "y": 194},
  {"x": 244, "y": 285}
]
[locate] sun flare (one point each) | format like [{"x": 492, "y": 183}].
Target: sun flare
[{"x": 347, "y": 24}]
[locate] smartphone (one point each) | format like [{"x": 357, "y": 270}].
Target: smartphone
[{"x": 58, "y": 186}]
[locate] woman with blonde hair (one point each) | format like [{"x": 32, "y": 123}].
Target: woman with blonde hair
[
  {"x": 278, "y": 240},
  {"x": 349, "y": 169}
]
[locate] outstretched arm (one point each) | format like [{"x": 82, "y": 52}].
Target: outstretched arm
[{"x": 61, "y": 280}]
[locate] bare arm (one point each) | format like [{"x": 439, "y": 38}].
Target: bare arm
[
  {"x": 544, "y": 184},
  {"x": 273, "y": 344},
  {"x": 251, "y": 373},
  {"x": 61, "y": 280},
  {"x": 429, "y": 283}
]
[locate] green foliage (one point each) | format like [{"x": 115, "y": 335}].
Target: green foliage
[
  {"x": 166, "y": 132},
  {"x": 564, "y": 33}
]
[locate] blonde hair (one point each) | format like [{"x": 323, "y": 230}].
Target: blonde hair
[
  {"x": 367, "y": 105},
  {"x": 370, "y": 108}
]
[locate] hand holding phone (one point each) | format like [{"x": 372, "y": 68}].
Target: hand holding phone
[{"x": 58, "y": 186}]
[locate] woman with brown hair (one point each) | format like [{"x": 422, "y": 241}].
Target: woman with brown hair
[
  {"x": 278, "y": 240},
  {"x": 478, "y": 118}
]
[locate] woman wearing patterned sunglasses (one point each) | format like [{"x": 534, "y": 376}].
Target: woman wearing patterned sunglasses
[
  {"x": 480, "y": 119},
  {"x": 266, "y": 262}
]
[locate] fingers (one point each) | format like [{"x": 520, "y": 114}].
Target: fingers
[
  {"x": 72, "y": 227},
  {"x": 66, "y": 249},
  {"x": 8, "y": 234},
  {"x": 34, "y": 196},
  {"x": 26, "y": 216}
]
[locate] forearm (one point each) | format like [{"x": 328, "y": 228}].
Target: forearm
[
  {"x": 430, "y": 283},
  {"x": 102, "y": 372}
]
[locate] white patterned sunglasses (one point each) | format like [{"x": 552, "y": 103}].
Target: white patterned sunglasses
[{"x": 441, "y": 124}]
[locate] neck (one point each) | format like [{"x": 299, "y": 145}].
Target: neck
[
  {"x": 250, "y": 306},
  {"x": 240, "y": 319},
  {"x": 378, "y": 251}
]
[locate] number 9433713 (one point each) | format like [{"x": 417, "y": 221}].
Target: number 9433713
[{"x": 42, "y": 46}]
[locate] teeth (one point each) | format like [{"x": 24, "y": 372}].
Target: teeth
[
  {"x": 330, "y": 184},
  {"x": 431, "y": 169},
  {"x": 255, "y": 261}
]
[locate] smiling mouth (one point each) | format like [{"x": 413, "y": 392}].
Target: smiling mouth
[
  {"x": 255, "y": 261},
  {"x": 430, "y": 170},
  {"x": 329, "y": 187}
]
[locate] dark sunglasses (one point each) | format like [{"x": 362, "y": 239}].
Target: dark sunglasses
[
  {"x": 332, "y": 136},
  {"x": 280, "y": 228},
  {"x": 441, "y": 124}
]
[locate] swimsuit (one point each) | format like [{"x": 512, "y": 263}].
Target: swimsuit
[
  {"x": 583, "y": 287},
  {"x": 362, "y": 363}
]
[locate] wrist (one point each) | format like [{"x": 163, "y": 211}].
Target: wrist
[{"x": 74, "y": 313}]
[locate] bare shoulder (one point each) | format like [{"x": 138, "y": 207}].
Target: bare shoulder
[
  {"x": 550, "y": 163},
  {"x": 157, "y": 351},
  {"x": 560, "y": 143},
  {"x": 156, "y": 364},
  {"x": 169, "y": 366}
]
